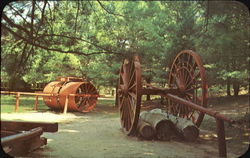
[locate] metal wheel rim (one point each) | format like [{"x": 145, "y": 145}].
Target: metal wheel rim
[
  {"x": 129, "y": 96},
  {"x": 86, "y": 104},
  {"x": 188, "y": 75}
]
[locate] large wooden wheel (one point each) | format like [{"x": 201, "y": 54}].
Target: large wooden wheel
[
  {"x": 86, "y": 104},
  {"x": 129, "y": 96},
  {"x": 187, "y": 74}
]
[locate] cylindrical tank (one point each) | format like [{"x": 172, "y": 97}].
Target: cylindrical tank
[{"x": 82, "y": 95}]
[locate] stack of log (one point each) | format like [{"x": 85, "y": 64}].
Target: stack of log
[{"x": 157, "y": 124}]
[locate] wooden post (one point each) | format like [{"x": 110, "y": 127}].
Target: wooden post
[
  {"x": 221, "y": 138},
  {"x": 36, "y": 103},
  {"x": 17, "y": 101},
  {"x": 66, "y": 105}
]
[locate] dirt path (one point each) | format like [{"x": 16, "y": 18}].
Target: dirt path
[{"x": 98, "y": 134}]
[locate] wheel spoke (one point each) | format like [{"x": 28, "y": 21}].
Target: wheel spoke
[
  {"x": 192, "y": 79},
  {"x": 130, "y": 111},
  {"x": 132, "y": 87},
  {"x": 187, "y": 72},
  {"x": 132, "y": 95},
  {"x": 132, "y": 105}
]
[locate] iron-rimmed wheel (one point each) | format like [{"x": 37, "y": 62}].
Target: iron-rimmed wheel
[
  {"x": 129, "y": 96},
  {"x": 188, "y": 75},
  {"x": 88, "y": 103}
]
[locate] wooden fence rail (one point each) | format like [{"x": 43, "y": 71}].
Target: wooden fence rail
[{"x": 37, "y": 94}]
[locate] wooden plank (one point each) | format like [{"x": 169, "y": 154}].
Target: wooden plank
[
  {"x": 25, "y": 126},
  {"x": 159, "y": 91}
]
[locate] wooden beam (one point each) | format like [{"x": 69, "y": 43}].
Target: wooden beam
[{"x": 25, "y": 126}]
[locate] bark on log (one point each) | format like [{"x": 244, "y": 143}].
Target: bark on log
[
  {"x": 145, "y": 130},
  {"x": 163, "y": 127},
  {"x": 185, "y": 128}
]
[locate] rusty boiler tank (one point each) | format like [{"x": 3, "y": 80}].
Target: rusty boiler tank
[{"x": 82, "y": 95}]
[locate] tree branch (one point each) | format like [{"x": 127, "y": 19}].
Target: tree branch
[
  {"x": 207, "y": 16},
  {"x": 11, "y": 23},
  {"x": 77, "y": 12},
  {"x": 53, "y": 49},
  {"x": 17, "y": 13},
  {"x": 108, "y": 10},
  {"x": 73, "y": 38}
]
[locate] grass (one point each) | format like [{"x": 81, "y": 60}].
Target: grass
[
  {"x": 27, "y": 103},
  {"x": 106, "y": 101}
]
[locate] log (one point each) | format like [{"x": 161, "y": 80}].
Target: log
[
  {"x": 145, "y": 130},
  {"x": 185, "y": 128},
  {"x": 163, "y": 127}
]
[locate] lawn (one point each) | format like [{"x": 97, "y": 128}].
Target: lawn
[{"x": 27, "y": 103}]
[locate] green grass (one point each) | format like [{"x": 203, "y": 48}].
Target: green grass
[
  {"x": 109, "y": 101},
  {"x": 27, "y": 103}
]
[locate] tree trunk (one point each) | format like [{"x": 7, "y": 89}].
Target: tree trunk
[
  {"x": 163, "y": 127},
  {"x": 148, "y": 97},
  {"x": 116, "y": 93},
  {"x": 145, "y": 130},
  {"x": 228, "y": 86},
  {"x": 236, "y": 88}
]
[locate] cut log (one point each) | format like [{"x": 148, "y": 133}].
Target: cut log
[
  {"x": 163, "y": 127},
  {"x": 185, "y": 128},
  {"x": 145, "y": 130}
]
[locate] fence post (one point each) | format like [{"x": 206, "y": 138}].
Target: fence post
[
  {"x": 66, "y": 104},
  {"x": 36, "y": 103},
  {"x": 17, "y": 101},
  {"x": 221, "y": 138}
]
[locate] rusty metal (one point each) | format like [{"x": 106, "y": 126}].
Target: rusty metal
[
  {"x": 187, "y": 93},
  {"x": 82, "y": 96}
]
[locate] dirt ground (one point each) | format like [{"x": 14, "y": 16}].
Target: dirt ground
[{"x": 98, "y": 134}]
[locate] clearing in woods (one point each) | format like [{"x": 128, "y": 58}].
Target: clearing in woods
[{"x": 98, "y": 134}]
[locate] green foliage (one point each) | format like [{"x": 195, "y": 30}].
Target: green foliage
[{"x": 157, "y": 30}]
